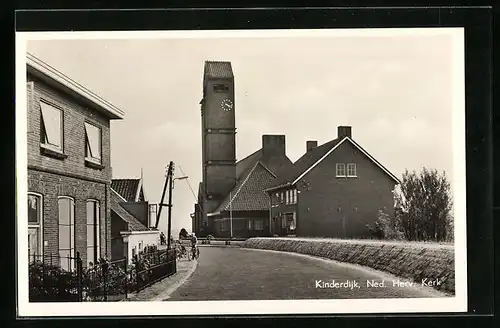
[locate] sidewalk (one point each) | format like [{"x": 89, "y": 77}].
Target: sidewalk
[{"x": 162, "y": 289}]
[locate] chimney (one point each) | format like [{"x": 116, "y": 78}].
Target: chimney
[
  {"x": 311, "y": 144},
  {"x": 273, "y": 144},
  {"x": 344, "y": 131}
]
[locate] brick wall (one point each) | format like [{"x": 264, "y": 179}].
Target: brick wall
[
  {"x": 74, "y": 117},
  {"x": 51, "y": 186},
  {"x": 53, "y": 177},
  {"x": 328, "y": 206}
]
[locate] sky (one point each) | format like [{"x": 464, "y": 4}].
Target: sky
[{"x": 395, "y": 92}]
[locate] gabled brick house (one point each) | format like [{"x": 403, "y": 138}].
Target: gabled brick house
[
  {"x": 132, "y": 220},
  {"x": 333, "y": 190},
  {"x": 69, "y": 168}
]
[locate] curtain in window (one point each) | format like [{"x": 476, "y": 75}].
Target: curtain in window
[
  {"x": 34, "y": 226},
  {"x": 66, "y": 233},
  {"x": 93, "y": 236}
]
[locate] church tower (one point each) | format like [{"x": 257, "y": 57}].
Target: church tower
[{"x": 218, "y": 137}]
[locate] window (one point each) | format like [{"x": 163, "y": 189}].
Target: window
[
  {"x": 66, "y": 232},
  {"x": 294, "y": 196},
  {"x": 222, "y": 226},
  {"x": 351, "y": 170},
  {"x": 34, "y": 226},
  {"x": 293, "y": 223},
  {"x": 221, "y": 88},
  {"x": 93, "y": 235},
  {"x": 93, "y": 143},
  {"x": 287, "y": 197},
  {"x": 250, "y": 225},
  {"x": 52, "y": 127},
  {"x": 140, "y": 246},
  {"x": 282, "y": 197},
  {"x": 258, "y": 225},
  {"x": 134, "y": 251},
  {"x": 153, "y": 208},
  {"x": 340, "y": 170}
]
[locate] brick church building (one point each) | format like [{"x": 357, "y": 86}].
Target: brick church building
[
  {"x": 231, "y": 196},
  {"x": 333, "y": 190}
]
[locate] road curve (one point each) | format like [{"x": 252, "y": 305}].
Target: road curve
[{"x": 246, "y": 274}]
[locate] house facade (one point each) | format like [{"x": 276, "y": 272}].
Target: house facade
[
  {"x": 132, "y": 221},
  {"x": 69, "y": 171},
  {"x": 334, "y": 190}
]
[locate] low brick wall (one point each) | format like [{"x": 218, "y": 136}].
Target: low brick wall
[{"x": 414, "y": 261}]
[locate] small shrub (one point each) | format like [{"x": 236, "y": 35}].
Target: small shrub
[{"x": 385, "y": 227}]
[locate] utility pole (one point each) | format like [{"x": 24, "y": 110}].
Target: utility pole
[
  {"x": 171, "y": 184},
  {"x": 168, "y": 181}
]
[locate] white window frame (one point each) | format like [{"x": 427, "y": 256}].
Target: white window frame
[
  {"x": 97, "y": 229},
  {"x": 72, "y": 253},
  {"x": 152, "y": 220},
  {"x": 45, "y": 106},
  {"x": 88, "y": 146},
  {"x": 255, "y": 226},
  {"x": 38, "y": 225},
  {"x": 350, "y": 165},
  {"x": 339, "y": 168},
  {"x": 250, "y": 225}
]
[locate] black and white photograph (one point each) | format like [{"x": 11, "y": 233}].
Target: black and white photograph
[{"x": 241, "y": 172}]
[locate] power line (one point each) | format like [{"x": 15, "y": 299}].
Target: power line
[{"x": 192, "y": 191}]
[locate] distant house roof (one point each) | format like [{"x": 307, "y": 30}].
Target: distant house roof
[
  {"x": 132, "y": 223},
  {"x": 314, "y": 156},
  {"x": 129, "y": 189},
  {"x": 218, "y": 69},
  {"x": 52, "y": 76}
]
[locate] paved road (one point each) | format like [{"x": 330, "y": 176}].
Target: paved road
[{"x": 244, "y": 274}]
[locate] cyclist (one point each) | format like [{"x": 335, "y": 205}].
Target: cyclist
[{"x": 194, "y": 249}]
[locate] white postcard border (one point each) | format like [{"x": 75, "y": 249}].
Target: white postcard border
[{"x": 261, "y": 307}]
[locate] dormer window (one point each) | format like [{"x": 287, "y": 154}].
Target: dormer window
[{"x": 340, "y": 170}]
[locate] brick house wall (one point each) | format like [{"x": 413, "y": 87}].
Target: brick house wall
[
  {"x": 53, "y": 177},
  {"x": 324, "y": 200}
]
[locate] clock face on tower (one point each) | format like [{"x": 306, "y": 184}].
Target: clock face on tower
[{"x": 226, "y": 105}]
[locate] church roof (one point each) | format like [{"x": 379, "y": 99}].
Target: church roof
[
  {"x": 218, "y": 69},
  {"x": 255, "y": 173},
  {"x": 249, "y": 194}
]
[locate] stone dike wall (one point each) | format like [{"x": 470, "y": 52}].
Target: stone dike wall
[{"x": 415, "y": 261}]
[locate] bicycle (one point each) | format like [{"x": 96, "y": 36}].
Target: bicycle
[{"x": 195, "y": 252}]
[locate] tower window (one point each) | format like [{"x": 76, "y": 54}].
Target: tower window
[{"x": 221, "y": 88}]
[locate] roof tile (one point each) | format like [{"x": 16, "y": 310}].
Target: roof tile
[
  {"x": 218, "y": 69},
  {"x": 127, "y": 188}
]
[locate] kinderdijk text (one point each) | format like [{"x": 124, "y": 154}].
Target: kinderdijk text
[{"x": 351, "y": 284}]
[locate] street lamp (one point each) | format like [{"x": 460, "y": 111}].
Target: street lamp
[{"x": 179, "y": 178}]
